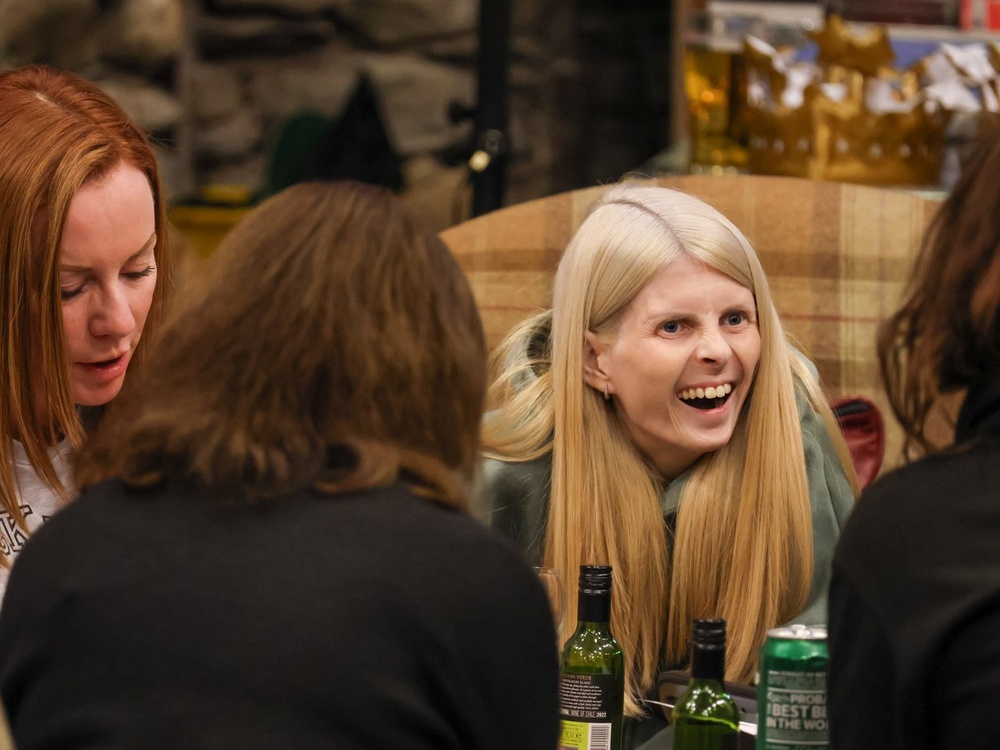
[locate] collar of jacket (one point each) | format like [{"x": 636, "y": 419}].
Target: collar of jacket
[{"x": 980, "y": 412}]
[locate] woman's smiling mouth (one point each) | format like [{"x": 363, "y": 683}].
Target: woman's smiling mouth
[{"x": 711, "y": 397}]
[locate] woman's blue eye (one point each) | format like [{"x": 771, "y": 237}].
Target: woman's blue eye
[
  {"x": 735, "y": 318},
  {"x": 671, "y": 326}
]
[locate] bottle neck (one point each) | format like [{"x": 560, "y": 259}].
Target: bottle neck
[
  {"x": 593, "y": 607},
  {"x": 708, "y": 663}
]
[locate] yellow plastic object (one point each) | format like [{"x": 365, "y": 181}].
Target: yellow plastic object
[
  {"x": 205, "y": 226},
  {"x": 226, "y": 194}
]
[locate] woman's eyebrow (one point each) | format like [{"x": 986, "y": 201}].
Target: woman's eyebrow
[{"x": 134, "y": 256}]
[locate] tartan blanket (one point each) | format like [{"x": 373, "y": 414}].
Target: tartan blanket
[{"x": 836, "y": 255}]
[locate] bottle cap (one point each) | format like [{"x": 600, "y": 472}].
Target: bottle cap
[
  {"x": 709, "y": 634},
  {"x": 595, "y": 579}
]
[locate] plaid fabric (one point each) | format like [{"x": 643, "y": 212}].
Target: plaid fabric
[{"x": 837, "y": 256}]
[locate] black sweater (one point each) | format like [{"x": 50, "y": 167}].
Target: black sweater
[
  {"x": 915, "y": 599},
  {"x": 167, "y": 619}
]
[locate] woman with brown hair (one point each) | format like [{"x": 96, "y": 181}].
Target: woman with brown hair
[
  {"x": 915, "y": 594},
  {"x": 84, "y": 272},
  {"x": 283, "y": 557}
]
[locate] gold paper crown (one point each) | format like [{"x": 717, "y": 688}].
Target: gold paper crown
[{"x": 839, "y": 137}]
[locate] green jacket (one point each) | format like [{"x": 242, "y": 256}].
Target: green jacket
[{"x": 513, "y": 498}]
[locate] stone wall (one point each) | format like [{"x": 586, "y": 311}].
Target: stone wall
[{"x": 218, "y": 82}]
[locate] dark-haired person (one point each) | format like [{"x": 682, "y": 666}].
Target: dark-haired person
[
  {"x": 915, "y": 595},
  {"x": 272, "y": 550}
]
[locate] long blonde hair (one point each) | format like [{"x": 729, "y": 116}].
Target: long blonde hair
[
  {"x": 742, "y": 548},
  {"x": 58, "y": 132}
]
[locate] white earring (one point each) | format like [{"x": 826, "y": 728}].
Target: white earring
[{"x": 606, "y": 396}]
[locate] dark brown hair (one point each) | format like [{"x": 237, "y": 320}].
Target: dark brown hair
[
  {"x": 330, "y": 341},
  {"x": 946, "y": 334}
]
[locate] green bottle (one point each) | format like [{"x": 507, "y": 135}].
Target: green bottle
[
  {"x": 705, "y": 717},
  {"x": 592, "y": 685}
]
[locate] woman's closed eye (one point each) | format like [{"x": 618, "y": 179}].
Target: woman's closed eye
[
  {"x": 136, "y": 275},
  {"x": 68, "y": 293}
]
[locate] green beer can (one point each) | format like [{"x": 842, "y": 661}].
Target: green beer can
[{"x": 791, "y": 690}]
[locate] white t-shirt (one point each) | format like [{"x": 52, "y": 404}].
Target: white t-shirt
[{"x": 38, "y": 501}]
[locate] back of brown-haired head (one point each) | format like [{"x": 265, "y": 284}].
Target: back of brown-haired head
[
  {"x": 328, "y": 319},
  {"x": 945, "y": 336}
]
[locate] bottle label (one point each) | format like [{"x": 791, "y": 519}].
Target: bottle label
[
  {"x": 795, "y": 711},
  {"x": 580, "y": 736},
  {"x": 586, "y": 705}
]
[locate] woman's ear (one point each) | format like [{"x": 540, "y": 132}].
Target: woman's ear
[{"x": 594, "y": 357}]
